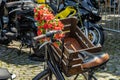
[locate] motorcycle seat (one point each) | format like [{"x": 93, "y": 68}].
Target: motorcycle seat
[
  {"x": 16, "y": 3},
  {"x": 11, "y": 35},
  {"x": 93, "y": 60}
]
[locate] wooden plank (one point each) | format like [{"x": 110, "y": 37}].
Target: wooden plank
[
  {"x": 68, "y": 62},
  {"x": 81, "y": 42},
  {"x": 69, "y": 71},
  {"x": 84, "y": 37}
]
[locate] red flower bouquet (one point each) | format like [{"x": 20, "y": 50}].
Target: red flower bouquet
[{"x": 46, "y": 21}]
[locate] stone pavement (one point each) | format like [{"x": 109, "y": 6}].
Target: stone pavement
[{"x": 26, "y": 69}]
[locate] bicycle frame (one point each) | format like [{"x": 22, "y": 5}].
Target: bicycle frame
[{"x": 52, "y": 66}]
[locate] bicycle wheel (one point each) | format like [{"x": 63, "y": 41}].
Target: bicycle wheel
[
  {"x": 45, "y": 75},
  {"x": 42, "y": 76}
]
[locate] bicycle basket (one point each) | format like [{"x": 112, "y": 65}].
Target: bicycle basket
[{"x": 75, "y": 42}]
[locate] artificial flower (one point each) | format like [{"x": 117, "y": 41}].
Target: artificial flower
[{"x": 46, "y": 21}]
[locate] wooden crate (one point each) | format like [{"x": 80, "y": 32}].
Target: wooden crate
[{"x": 75, "y": 42}]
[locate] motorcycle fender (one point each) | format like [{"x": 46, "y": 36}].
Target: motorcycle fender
[
  {"x": 98, "y": 26},
  {"x": 91, "y": 25}
]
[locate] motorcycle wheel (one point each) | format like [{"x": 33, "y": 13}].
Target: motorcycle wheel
[
  {"x": 38, "y": 54},
  {"x": 3, "y": 40},
  {"x": 95, "y": 35}
]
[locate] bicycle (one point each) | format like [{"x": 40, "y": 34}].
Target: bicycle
[{"x": 89, "y": 65}]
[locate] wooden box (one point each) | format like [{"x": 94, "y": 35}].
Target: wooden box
[{"x": 74, "y": 42}]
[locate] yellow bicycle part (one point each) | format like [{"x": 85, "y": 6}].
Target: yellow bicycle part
[
  {"x": 69, "y": 10},
  {"x": 40, "y": 1}
]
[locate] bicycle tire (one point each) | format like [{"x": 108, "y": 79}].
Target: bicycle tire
[
  {"x": 42, "y": 75},
  {"x": 45, "y": 75}
]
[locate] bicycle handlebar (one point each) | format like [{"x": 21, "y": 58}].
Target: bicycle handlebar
[{"x": 48, "y": 34}]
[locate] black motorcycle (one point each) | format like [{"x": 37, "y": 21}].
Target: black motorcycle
[
  {"x": 87, "y": 14},
  {"x": 20, "y": 24},
  {"x": 89, "y": 10},
  {"x": 16, "y": 24}
]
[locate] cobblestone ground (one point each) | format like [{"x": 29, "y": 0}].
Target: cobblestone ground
[
  {"x": 111, "y": 46},
  {"x": 26, "y": 69}
]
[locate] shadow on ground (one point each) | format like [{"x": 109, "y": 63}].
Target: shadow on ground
[
  {"x": 112, "y": 46},
  {"x": 12, "y": 55}
]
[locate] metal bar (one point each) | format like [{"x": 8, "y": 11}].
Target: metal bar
[
  {"x": 111, "y": 16},
  {"x": 112, "y": 30}
]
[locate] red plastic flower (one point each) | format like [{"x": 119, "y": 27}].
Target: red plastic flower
[
  {"x": 39, "y": 32},
  {"x": 46, "y": 21}
]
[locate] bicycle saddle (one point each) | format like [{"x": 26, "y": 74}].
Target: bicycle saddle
[
  {"x": 92, "y": 60},
  {"x": 4, "y": 74}
]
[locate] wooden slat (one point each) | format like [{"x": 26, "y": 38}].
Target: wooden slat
[
  {"x": 84, "y": 37},
  {"x": 68, "y": 62},
  {"x": 81, "y": 42},
  {"x": 69, "y": 71}
]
